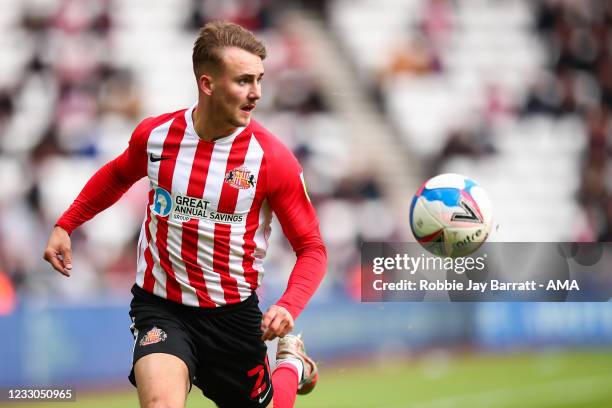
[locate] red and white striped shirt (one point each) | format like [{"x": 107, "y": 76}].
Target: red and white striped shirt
[{"x": 210, "y": 206}]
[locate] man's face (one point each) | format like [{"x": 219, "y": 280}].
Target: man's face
[{"x": 237, "y": 86}]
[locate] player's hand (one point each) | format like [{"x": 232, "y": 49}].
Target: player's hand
[
  {"x": 58, "y": 252},
  {"x": 276, "y": 322}
]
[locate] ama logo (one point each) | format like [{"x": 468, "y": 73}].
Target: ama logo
[{"x": 162, "y": 202}]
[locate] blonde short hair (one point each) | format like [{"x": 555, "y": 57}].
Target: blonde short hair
[{"x": 219, "y": 34}]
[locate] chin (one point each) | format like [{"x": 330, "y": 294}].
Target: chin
[{"x": 241, "y": 121}]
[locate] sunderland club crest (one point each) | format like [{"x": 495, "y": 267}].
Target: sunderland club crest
[
  {"x": 240, "y": 178},
  {"x": 155, "y": 335}
]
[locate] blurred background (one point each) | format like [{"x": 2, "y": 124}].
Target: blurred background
[{"x": 373, "y": 97}]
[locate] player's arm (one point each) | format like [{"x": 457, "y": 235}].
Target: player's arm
[
  {"x": 102, "y": 190},
  {"x": 290, "y": 203}
]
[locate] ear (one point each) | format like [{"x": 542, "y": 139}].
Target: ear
[{"x": 205, "y": 83}]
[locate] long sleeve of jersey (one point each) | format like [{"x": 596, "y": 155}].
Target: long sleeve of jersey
[
  {"x": 290, "y": 203},
  {"x": 307, "y": 273},
  {"x": 107, "y": 185}
]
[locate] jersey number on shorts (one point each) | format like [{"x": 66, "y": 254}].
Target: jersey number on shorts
[{"x": 260, "y": 384}]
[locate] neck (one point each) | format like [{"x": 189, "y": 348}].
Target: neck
[{"x": 206, "y": 127}]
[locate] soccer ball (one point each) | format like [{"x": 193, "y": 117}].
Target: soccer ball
[{"x": 451, "y": 215}]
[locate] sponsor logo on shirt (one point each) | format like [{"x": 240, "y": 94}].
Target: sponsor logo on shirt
[
  {"x": 162, "y": 202},
  {"x": 240, "y": 178},
  {"x": 186, "y": 208},
  {"x": 183, "y": 208}
]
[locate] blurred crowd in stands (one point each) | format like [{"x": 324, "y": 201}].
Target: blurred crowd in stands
[
  {"x": 579, "y": 82},
  {"x": 60, "y": 95},
  {"x": 67, "y": 106},
  {"x": 490, "y": 52}
]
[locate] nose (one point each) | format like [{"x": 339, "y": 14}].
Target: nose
[{"x": 255, "y": 92}]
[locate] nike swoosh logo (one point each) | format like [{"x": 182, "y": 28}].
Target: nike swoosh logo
[
  {"x": 155, "y": 158},
  {"x": 261, "y": 399}
]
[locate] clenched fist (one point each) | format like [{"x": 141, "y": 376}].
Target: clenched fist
[{"x": 276, "y": 322}]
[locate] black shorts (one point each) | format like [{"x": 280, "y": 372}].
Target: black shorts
[{"x": 221, "y": 347}]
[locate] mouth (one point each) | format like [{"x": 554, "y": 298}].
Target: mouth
[{"x": 248, "y": 108}]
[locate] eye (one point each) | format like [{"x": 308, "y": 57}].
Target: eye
[{"x": 242, "y": 82}]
